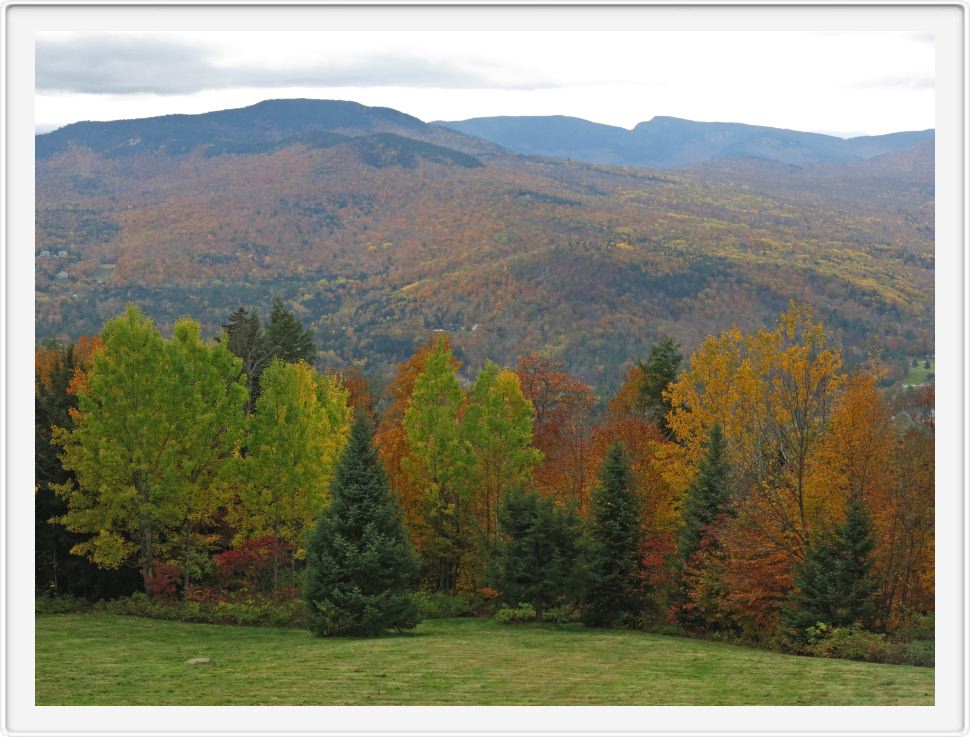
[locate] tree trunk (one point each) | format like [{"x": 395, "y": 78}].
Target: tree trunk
[
  {"x": 54, "y": 563},
  {"x": 147, "y": 557},
  {"x": 537, "y": 605}
]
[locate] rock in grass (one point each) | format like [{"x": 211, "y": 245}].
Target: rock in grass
[{"x": 199, "y": 661}]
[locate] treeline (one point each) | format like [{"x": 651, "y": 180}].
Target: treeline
[{"x": 756, "y": 490}]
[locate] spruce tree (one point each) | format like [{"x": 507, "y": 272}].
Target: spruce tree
[
  {"x": 536, "y": 554},
  {"x": 706, "y": 500},
  {"x": 835, "y": 583},
  {"x": 613, "y": 554},
  {"x": 659, "y": 370},
  {"x": 360, "y": 566},
  {"x": 707, "y": 495},
  {"x": 246, "y": 339},
  {"x": 287, "y": 337}
]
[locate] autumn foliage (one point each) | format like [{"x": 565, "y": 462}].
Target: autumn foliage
[{"x": 726, "y": 502}]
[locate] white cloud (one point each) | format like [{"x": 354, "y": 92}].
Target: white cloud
[{"x": 874, "y": 82}]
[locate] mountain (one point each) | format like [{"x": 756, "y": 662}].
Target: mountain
[
  {"x": 670, "y": 143},
  {"x": 244, "y": 130},
  {"x": 379, "y": 230}
]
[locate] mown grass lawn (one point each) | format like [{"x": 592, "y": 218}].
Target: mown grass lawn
[
  {"x": 106, "y": 660},
  {"x": 918, "y": 374}
]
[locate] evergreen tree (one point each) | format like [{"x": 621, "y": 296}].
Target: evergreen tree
[
  {"x": 360, "y": 565},
  {"x": 283, "y": 337},
  {"x": 659, "y": 370},
  {"x": 537, "y": 551},
  {"x": 707, "y": 499},
  {"x": 287, "y": 337},
  {"x": 613, "y": 567},
  {"x": 835, "y": 583},
  {"x": 246, "y": 339},
  {"x": 707, "y": 495}
]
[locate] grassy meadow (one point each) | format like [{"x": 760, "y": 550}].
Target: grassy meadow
[{"x": 101, "y": 659}]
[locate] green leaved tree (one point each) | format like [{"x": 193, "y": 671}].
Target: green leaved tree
[
  {"x": 438, "y": 465},
  {"x": 209, "y": 413},
  {"x": 497, "y": 426},
  {"x": 294, "y": 438},
  {"x": 360, "y": 566},
  {"x": 155, "y": 418}
]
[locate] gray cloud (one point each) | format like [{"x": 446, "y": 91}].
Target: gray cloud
[{"x": 113, "y": 65}]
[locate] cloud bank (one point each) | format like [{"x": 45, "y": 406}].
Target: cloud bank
[{"x": 124, "y": 66}]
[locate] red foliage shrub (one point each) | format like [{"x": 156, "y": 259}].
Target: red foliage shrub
[{"x": 162, "y": 584}]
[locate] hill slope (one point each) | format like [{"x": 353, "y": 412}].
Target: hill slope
[{"x": 377, "y": 238}]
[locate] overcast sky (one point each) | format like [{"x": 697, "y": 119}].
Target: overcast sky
[{"x": 842, "y": 83}]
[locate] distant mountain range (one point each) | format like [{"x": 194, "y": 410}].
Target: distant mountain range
[
  {"x": 378, "y": 229},
  {"x": 257, "y": 128},
  {"x": 670, "y": 143}
]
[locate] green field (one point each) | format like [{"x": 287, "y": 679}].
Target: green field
[
  {"x": 919, "y": 374},
  {"x": 88, "y": 659}
]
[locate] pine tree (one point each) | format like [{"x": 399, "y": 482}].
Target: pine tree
[
  {"x": 360, "y": 566},
  {"x": 536, "y": 554},
  {"x": 613, "y": 563},
  {"x": 287, "y": 338},
  {"x": 835, "y": 583}
]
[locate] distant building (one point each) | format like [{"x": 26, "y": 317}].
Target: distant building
[
  {"x": 61, "y": 276},
  {"x": 45, "y": 254},
  {"x": 62, "y": 253}
]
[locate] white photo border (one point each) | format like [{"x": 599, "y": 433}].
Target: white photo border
[{"x": 18, "y": 713}]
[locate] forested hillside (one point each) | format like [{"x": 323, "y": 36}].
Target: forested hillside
[{"x": 377, "y": 230}]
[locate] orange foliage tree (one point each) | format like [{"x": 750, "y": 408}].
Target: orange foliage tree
[{"x": 562, "y": 429}]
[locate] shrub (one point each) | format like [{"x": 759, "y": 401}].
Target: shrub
[
  {"x": 162, "y": 584},
  {"x": 917, "y": 652},
  {"x": 566, "y": 614},
  {"x": 521, "y": 614},
  {"x": 439, "y": 605},
  {"x": 484, "y": 602},
  {"x": 249, "y": 566},
  {"x": 853, "y": 643},
  {"x": 65, "y": 604},
  {"x": 916, "y": 627},
  {"x": 287, "y": 613}
]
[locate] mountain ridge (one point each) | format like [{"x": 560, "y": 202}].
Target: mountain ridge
[
  {"x": 377, "y": 238},
  {"x": 672, "y": 142}
]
